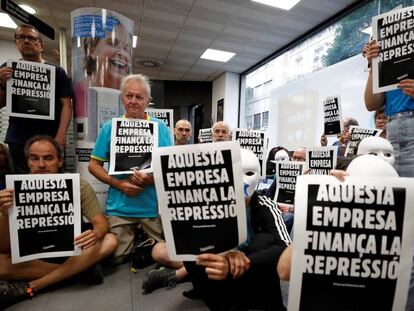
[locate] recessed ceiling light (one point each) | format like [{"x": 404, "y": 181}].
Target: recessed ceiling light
[
  {"x": 28, "y": 8},
  {"x": 6, "y": 21},
  {"x": 217, "y": 55},
  {"x": 281, "y": 4}
]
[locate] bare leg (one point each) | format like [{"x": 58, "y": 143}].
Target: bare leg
[
  {"x": 160, "y": 255},
  {"x": 42, "y": 274}
]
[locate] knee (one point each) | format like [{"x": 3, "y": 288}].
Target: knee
[
  {"x": 110, "y": 243},
  {"x": 159, "y": 253},
  {"x": 5, "y": 266}
]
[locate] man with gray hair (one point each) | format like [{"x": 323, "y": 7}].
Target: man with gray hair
[
  {"x": 221, "y": 131},
  {"x": 132, "y": 200}
]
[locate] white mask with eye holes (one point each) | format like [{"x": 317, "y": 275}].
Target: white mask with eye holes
[
  {"x": 370, "y": 165},
  {"x": 281, "y": 155},
  {"x": 250, "y": 170},
  {"x": 377, "y": 146}
]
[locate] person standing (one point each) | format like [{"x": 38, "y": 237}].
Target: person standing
[
  {"x": 182, "y": 132},
  {"x": 30, "y": 45}
]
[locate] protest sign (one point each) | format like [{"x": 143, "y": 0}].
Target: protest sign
[
  {"x": 132, "y": 144},
  {"x": 321, "y": 160},
  {"x": 255, "y": 141},
  {"x": 31, "y": 90},
  {"x": 200, "y": 197},
  {"x": 333, "y": 123},
  {"x": 205, "y": 135},
  {"x": 358, "y": 134},
  {"x": 166, "y": 115},
  {"x": 45, "y": 217},
  {"x": 353, "y": 243},
  {"x": 394, "y": 33},
  {"x": 286, "y": 174}
]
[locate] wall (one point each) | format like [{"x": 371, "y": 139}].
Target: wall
[{"x": 227, "y": 87}]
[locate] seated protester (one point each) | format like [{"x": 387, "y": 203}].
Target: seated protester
[
  {"x": 381, "y": 121},
  {"x": 5, "y": 164},
  {"x": 245, "y": 277},
  {"x": 300, "y": 156},
  {"x": 26, "y": 279},
  {"x": 343, "y": 138},
  {"x": 275, "y": 154},
  {"x": 377, "y": 146}
]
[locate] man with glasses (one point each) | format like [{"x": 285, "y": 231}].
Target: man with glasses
[
  {"x": 182, "y": 132},
  {"x": 30, "y": 45}
]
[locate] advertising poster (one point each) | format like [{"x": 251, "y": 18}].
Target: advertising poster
[
  {"x": 31, "y": 90},
  {"x": 132, "y": 144},
  {"x": 394, "y": 33},
  {"x": 353, "y": 243},
  {"x": 45, "y": 217},
  {"x": 200, "y": 195},
  {"x": 333, "y": 123},
  {"x": 255, "y": 141}
]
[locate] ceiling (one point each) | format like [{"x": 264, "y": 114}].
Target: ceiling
[{"x": 175, "y": 33}]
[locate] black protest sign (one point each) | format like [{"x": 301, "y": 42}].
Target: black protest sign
[
  {"x": 132, "y": 142},
  {"x": 394, "y": 32},
  {"x": 351, "y": 245},
  {"x": 321, "y": 161},
  {"x": 358, "y": 134},
  {"x": 30, "y": 91},
  {"x": 46, "y": 209},
  {"x": 166, "y": 115},
  {"x": 200, "y": 195},
  {"x": 286, "y": 174},
  {"x": 205, "y": 136},
  {"x": 332, "y": 116},
  {"x": 255, "y": 141}
]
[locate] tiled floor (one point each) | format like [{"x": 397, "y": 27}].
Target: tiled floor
[{"x": 121, "y": 291}]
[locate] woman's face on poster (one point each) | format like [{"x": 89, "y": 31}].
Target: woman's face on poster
[{"x": 113, "y": 58}]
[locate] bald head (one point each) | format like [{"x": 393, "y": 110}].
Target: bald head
[
  {"x": 299, "y": 155},
  {"x": 182, "y": 132},
  {"x": 221, "y": 131}
]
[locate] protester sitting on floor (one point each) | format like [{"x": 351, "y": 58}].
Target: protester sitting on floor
[
  {"x": 343, "y": 138},
  {"x": 245, "y": 277},
  {"x": 26, "y": 279}
]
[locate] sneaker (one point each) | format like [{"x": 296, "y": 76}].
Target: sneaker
[
  {"x": 13, "y": 292},
  {"x": 162, "y": 277},
  {"x": 92, "y": 275},
  {"x": 192, "y": 294}
]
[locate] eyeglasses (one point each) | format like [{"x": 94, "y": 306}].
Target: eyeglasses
[
  {"x": 29, "y": 38},
  {"x": 383, "y": 118}
]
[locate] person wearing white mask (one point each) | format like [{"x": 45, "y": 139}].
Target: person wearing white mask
[
  {"x": 245, "y": 277},
  {"x": 377, "y": 146}
]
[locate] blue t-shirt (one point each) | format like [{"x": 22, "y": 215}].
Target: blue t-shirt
[
  {"x": 145, "y": 203},
  {"x": 397, "y": 101}
]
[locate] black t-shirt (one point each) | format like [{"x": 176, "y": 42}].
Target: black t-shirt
[{"x": 22, "y": 129}]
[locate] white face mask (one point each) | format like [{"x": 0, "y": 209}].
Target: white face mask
[
  {"x": 281, "y": 155},
  {"x": 370, "y": 165},
  {"x": 251, "y": 171},
  {"x": 379, "y": 147}
]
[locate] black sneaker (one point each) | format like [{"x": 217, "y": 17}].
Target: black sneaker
[
  {"x": 162, "y": 277},
  {"x": 13, "y": 292},
  {"x": 192, "y": 294},
  {"x": 92, "y": 275}
]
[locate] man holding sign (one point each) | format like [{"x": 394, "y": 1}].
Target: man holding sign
[
  {"x": 132, "y": 200},
  {"x": 30, "y": 45},
  {"x": 46, "y": 157}
]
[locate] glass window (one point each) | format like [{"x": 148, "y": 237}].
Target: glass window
[{"x": 256, "y": 121}]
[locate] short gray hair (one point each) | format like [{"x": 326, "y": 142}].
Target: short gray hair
[{"x": 138, "y": 78}]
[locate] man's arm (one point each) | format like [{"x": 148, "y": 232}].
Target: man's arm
[
  {"x": 96, "y": 168},
  {"x": 65, "y": 117},
  {"x": 89, "y": 237},
  {"x": 372, "y": 101}
]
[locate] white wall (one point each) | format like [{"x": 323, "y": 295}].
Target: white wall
[
  {"x": 8, "y": 50},
  {"x": 227, "y": 87}
]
